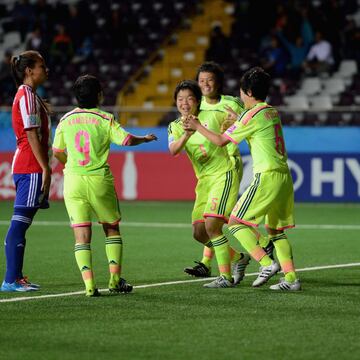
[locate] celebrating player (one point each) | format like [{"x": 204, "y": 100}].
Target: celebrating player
[
  {"x": 218, "y": 183},
  {"x": 85, "y": 134},
  {"x": 210, "y": 78},
  {"x": 270, "y": 194},
  {"x": 31, "y": 170}
]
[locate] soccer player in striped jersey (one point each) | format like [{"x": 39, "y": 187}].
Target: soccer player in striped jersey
[
  {"x": 217, "y": 185},
  {"x": 270, "y": 195},
  {"x": 30, "y": 168},
  {"x": 82, "y": 142}
]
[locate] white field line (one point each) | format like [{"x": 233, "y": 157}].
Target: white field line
[
  {"x": 184, "y": 226},
  {"x": 314, "y": 268}
]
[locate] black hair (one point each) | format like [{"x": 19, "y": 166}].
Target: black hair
[
  {"x": 191, "y": 85},
  {"x": 214, "y": 68},
  {"x": 257, "y": 81},
  {"x": 87, "y": 89},
  {"x": 19, "y": 63}
]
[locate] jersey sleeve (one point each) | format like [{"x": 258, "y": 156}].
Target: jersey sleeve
[
  {"x": 174, "y": 132},
  {"x": 241, "y": 129},
  {"x": 59, "y": 141},
  {"x": 237, "y": 105},
  {"x": 29, "y": 115},
  {"x": 118, "y": 135}
]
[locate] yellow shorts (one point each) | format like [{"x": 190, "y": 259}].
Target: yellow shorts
[
  {"x": 216, "y": 195},
  {"x": 238, "y": 165},
  {"x": 85, "y": 195},
  {"x": 269, "y": 196}
]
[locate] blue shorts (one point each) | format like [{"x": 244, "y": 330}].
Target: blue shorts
[{"x": 28, "y": 191}]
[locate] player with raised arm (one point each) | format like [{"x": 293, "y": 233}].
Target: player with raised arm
[
  {"x": 82, "y": 142},
  {"x": 217, "y": 181},
  {"x": 30, "y": 168},
  {"x": 271, "y": 194}
]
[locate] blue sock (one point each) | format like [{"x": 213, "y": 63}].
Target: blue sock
[{"x": 15, "y": 243}]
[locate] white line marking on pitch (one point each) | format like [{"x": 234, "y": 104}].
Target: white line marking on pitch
[
  {"x": 314, "y": 268},
  {"x": 181, "y": 225}
]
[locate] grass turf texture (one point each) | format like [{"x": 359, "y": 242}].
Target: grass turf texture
[{"x": 183, "y": 321}]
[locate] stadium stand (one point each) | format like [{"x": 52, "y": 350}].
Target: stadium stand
[{"x": 140, "y": 49}]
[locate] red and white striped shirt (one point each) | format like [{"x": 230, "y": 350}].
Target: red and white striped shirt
[{"x": 29, "y": 112}]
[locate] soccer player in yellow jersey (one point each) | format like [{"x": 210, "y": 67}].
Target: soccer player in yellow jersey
[
  {"x": 217, "y": 185},
  {"x": 82, "y": 142},
  {"x": 210, "y": 77},
  {"x": 271, "y": 194}
]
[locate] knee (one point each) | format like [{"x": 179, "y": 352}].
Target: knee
[
  {"x": 213, "y": 229},
  {"x": 200, "y": 235},
  {"x": 111, "y": 230}
]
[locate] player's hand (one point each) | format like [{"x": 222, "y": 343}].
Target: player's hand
[
  {"x": 184, "y": 122},
  {"x": 191, "y": 123},
  {"x": 232, "y": 115},
  {"x": 46, "y": 181},
  {"x": 225, "y": 125},
  {"x": 150, "y": 137}
]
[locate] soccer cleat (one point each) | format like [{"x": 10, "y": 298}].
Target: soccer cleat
[
  {"x": 219, "y": 282},
  {"x": 121, "y": 287},
  {"x": 92, "y": 293},
  {"x": 287, "y": 286},
  {"x": 269, "y": 249},
  {"x": 10, "y": 287},
  {"x": 199, "y": 270},
  {"x": 238, "y": 268},
  {"x": 25, "y": 281},
  {"x": 266, "y": 272}
]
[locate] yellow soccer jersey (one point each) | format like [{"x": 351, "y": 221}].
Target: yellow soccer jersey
[
  {"x": 261, "y": 127},
  {"x": 206, "y": 158},
  {"x": 225, "y": 100},
  {"x": 86, "y": 135},
  {"x": 234, "y": 103}
]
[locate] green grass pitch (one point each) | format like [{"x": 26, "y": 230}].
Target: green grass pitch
[{"x": 184, "y": 320}]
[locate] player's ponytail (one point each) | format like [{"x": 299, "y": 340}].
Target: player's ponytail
[{"x": 19, "y": 64}]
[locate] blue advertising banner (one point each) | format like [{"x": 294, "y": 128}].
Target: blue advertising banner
[{"x": 326, "y": 177}]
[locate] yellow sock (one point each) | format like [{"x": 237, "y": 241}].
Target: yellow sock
[
  {"x": 285, "y": 257},
  {"x": 84, "y": 262},
  {"x": 222, "y": 253},
  {"x": 234, "y": 254},
  {"x": 113, "y": 248},
  {"x": 263, "y": 240},
  {"x": 248, "y": 239},
  {"x": 208, "y": 254}
]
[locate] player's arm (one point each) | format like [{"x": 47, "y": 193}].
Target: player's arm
[
  {"x": 137, "y": 140},
  {"x": 61, "y": 156},
  {"x": 178, "y": 145},
  {"x": 41, "y": 158},
  {"x": 31, "y": 124},
  {"x": 59, "y": 145},
  {"x": 119, "y": 136},
  {"x": 193, "y": 123}
]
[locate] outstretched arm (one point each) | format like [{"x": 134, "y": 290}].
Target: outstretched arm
[
  {"x": 193, "y": 123},
  {"x": 137, "y": 140}
]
